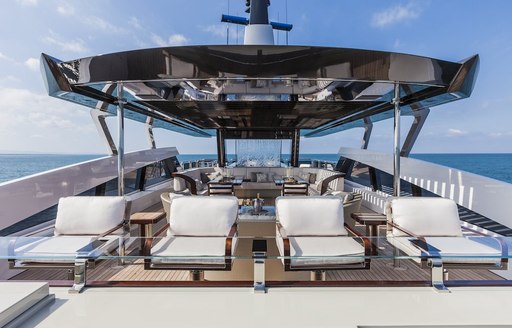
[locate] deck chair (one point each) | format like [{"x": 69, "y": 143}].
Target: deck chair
[
  {"x": 201, "y": 235},
  {"x": 311, "y": 236},
  {"x": 85, "y": 228},
  {"x": 428, "y": 229}
]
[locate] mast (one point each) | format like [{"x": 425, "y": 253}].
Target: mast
[{"x": 258, "y": 29}]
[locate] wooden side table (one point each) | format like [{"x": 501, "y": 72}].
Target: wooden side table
[
  {"x": 146, "y": 220},
  {"x": 372, "y": 221}
]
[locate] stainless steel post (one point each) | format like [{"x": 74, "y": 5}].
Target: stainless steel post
[
  {"x": 120, "y": 139},
  {"x": 396, "y": 143}
]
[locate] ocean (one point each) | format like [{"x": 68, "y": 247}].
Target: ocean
[{"x": 496, "y": 166}]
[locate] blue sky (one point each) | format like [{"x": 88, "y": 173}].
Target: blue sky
[{"x": 451, "y": 30}]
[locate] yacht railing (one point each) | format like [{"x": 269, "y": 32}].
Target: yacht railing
[
  {"x": 39, "y": 193},
  {"x": 486, "y": 196}
]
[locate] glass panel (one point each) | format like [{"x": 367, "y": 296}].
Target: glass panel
[
  {"x": 258, "y": 153},
  {"x": 470, "y": 263}
]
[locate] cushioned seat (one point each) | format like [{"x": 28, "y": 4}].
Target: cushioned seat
[
  {"x": 85, "y": 228},
  {"x": 452, "y": 249},
  {"x": 323, "y": 251},
  {"x": 201, "y": 234},
  {"x": 429, "y": 227},
  {"x": 206, "y": 250},
  {"x": 79, "y": 221},
  {"x": 62, "y": 248},
  {"x": 311, "y": 235}
]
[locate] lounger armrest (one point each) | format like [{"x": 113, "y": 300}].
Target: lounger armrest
[
  {"x": 108, "y": 232},
  {"x": 326, "y": 181},
  {"x": 396, "y": 226},
  {"x": 191, "y": 182},
  {"x": 229, "y": 244},
  {"x": 366, "y": 242},
  {"x": 148, "y": 243},
  {"x": 286, "y": 245}
]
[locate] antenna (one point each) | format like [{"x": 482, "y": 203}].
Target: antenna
[
  {"x": 227, "y": 28},
  {"x": 286, "y": 17}
]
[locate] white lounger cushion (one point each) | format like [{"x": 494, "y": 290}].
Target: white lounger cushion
[
  {"x": 323, "y": 251},
  {"x": 311, "y": 215},
  {"x": 203, "y": 250},
  {"x": 83, "y": 215},
  {"x": 60, "y": 249},
  {"x": 452, "y": 249},
  {"x": 203, "y": 216},
  {"x": 424, "y": 216}
]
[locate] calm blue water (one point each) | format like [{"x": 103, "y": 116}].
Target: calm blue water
[
  {"x": 497, "y": 166},
  {"x": 20, "y": 165}
]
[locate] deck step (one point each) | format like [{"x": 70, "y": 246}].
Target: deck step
[{"x": 19, "y": 298}]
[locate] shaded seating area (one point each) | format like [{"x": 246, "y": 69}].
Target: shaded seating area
[
  {"x": 200, "y": 235},
  {"x": 85, "y": 229},
  {"x": 311, "y": 235},
  {"x": 428, "y": 229}
]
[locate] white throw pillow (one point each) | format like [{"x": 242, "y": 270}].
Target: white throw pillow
[{"x": 261, "y": 177}]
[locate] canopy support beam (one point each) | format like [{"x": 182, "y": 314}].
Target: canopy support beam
[
  {"x": 149, "y": 130},
  {"x": 99, "y": 115},
  {"x": 221, "y": 148},
  {"x": 396, "y": 142},
  {"x": 120, "y": 139},
  {"x": 295, "y": 148}
]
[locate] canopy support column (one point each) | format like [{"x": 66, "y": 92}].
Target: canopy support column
[
  {"x": 295, "y": 148},
  {"x": 149, "y": 130},
  {"x": 120, "y": 139},
  {"x": 396, "y": 142},
  {"x": 221, "y": 148},
  {"x": 99, "y": 115}
]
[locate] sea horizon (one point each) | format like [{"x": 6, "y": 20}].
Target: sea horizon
[{"x": 493, "y": 165}]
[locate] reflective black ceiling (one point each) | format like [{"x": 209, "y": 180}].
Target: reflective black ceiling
[{"x": 198, "y": 89}]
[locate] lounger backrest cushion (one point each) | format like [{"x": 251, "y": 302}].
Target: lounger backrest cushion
[
  {"x": 424, "y": 216},
  {"x": 84, "y": 215},
  {"x": 311, "y": 215},
  {"x": 203, "y": 216}
]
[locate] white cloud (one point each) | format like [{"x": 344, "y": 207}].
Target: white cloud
[
  {"x": 5, "y": 57},
  {"x": 31, "y": 121},
  {"x": 101, "y": 24},
  {"x": 216, "y": 30},
  {"x": 397, "y": 44},
  {"x": 65, "y": 9},
  {"x": 27, "y": 2},
  {"x": 135, "y": 23},
  {"x": 456, "y": 132},
  {"x": 396, "y": 14},
  {"x": 32, "y": 64},
  {"x": 76, "y": 45},
  {"x": 24, "y": 107},
  {"x": 177, "y": 39},
  {"x": 500, "y": 134},
  {"x": 9, "y": 80},
  {"x": 174, "y": 40}
]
